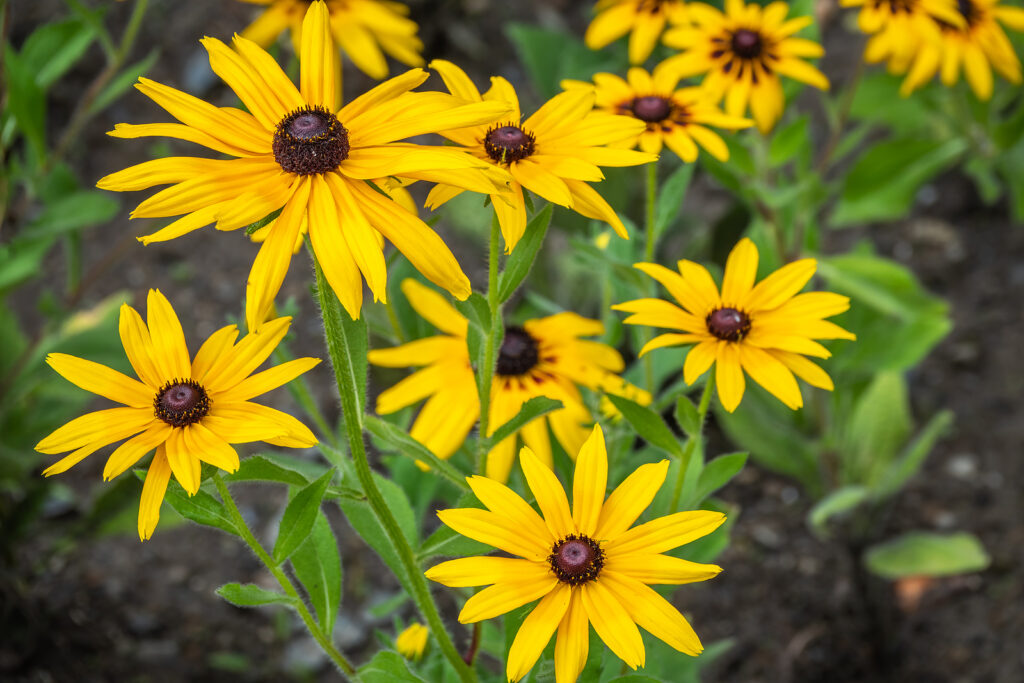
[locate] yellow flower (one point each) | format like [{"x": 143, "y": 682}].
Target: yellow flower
[
  {"x": 980, "y": 41},
  {"x": 644, "y": 20},
  {"x": 743, "y": 52},
  {"x": 677, "y": 118},
  {"x": 587, "y": 566},
  {"x": 412, "y": 641},
  {"x": 293, "y": 153},
  {"x": 899, "y": 28},
  {"x": 189, "y": 411},
  {"x": 544, "y": 357},
  {"x": 365, "y": 30},
  {"x": 554, "y": 153},
  {"x": 763, "y": 330}
]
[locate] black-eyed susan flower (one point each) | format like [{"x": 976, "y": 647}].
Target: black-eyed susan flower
[
  {"x": 412, "y": 641},
  {"x": 742, "y": 54},
  {"x": 899, "y": 28},
  {"x": 763, "y": 330},
  {"x": 190, "y": 411},
  {"x": 977, "y": 46},
  {"x": 585, "y": 565},
  {"x": 543, "y": 357},
  {"x": 643, "y": 20},
  {"x": 676, "y": 118},
  {"x": 364, "y": 29},
  {"x": 554, "y": 153},
  {"x": 294, "y": 153}
]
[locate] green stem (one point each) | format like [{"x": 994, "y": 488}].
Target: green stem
[
  {"x": 695, "y": 446},
  {"x": 341, "y": 347},
  {"x": 286, "y": 584},
  {"x": 649, "y": 249},
  {"x": 490, "y": 347}
]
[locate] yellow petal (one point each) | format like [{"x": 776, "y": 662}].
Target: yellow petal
[
  {"x": 613, "y": 623},
  {"x": 129, "y": 453},
  {"x": 665, "y": 533},
  {"x": 629, "y": 499},
  {"x": 573, "y": 643},
  {"x": 184, "y": 464},
  {"x": 203, "y": 444},
  {"x": 170, "y": 354},
  {"x": 211, "y": 352},
  {"x": 106, "y": 426},
  {"x": 653, "y": 613},
  {"x": 704, "y": 289},
  {"x": 740, "y": 272},
  {"x": 699, "y": 359},
  {"x": 434, "y": 308},
  {"x": 659, "y": 569},
  {"x": 729, "y": 376},
  {"x": 231, "y": 368},
  {"x": 271, "y": 264},
  {"x": 153, "y": 490},
  {"x": 496, "y": 530},
  {"x": 805, "y": 369},
  {"x": 334, "y": 200},
  {"x": 268, "y": 380},
  {"x": 505, "y": 597},
  {"x": 771, "y": 374},
  {"x": 101, "y": 380},
  {"x": 317, "y": 58},
  {"x": 484, "y": 571},
  {"x": 502, "y": 500},
  {"x": 138, "y": 346},
  {"x": 589, "y": 483},
  {"x": 549, "y": 493},
  {"x": 536, "y": 631}
]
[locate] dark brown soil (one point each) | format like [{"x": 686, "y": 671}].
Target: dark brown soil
[{"x": 112, "y": 609}]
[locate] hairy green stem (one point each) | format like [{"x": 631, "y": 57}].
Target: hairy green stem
[
  {"x": 695, "y": 446},
  {"x": 490, "y": 350},
  {"x": 287, "y": 586},
  {"x": 341, "y": 346},
  {"x": 649, "y": 249}
]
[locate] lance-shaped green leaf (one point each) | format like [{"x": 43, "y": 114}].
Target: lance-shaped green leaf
[
  {"x": 688, "y": 417},
  {"x": 448, "y": 543},
  {"x": 670, "y": 197},
  {"x": 388, "y": 667},
  {"x": 648, "y": 425},
  {"x": 531, "y": 410},
  {"x": 411, "y": 448},
  {"x": 910, "y": 460},
  {"x": 836, "y": 503},
  {"x": 251, "y": 595},
  {"x": 202, "y": 508},
  {"x": 259, "y": 468},
  {"x": 717, "y": 474},
  {"x": 317, "y": 565},
  {"x": 921, "y": 553},
  {"x": 299, "y": 516},
  {"x": 518, "y": 265}
]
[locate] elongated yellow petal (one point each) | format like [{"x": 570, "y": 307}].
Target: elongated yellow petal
[
  {"x": 660, "y": 569},
  {"x": 663, "y": 340},
  {"x": 629, "y": 499},
  {"x": 729, "y": 380},
  {"x": 268, "y": 380},
  {"x": 296, "y": 434},
  {"x": 590, "y": 481},
  {"x": 448, "y": 416},
  {"x": 665, "y": 533},
  {"x": 212, "y": 350},
  {"x": 613, "y": 623},
  {"x": 230, "y": 368},
  {"x": 335, "y": 197},
  {"x": 653, "y": 613},
  {"x": 699, "y": 359},
  {"x": 177, "y": 131},
  {"x": 804, "y": 369},
  {"x": 434, "y": 308},
  {"x": 247, "y": 84},
  {"x": 456, "y": 80},
  {"x": 101, "y": 380},
  {"x": 276, "y": 83},
  {"x": 505, "y": 597},
  {"x": 502, "y": 500},
  {"x": 157, "y": 172},
  {"x": 170, "y": 353},
  {"x": 139, "y": 347},
  {"x": 549, "y": 493},
  {"x": 129, "y": 453},
  {"x": 334, "y": 256},
  {"x": 184, "y": 463},
  {"x": 771, "y": 374},
  {"x": 573, "y": 643},
  {"x": 317, "y": 58},
  {"x": 740, "y": 272},
  {"x": 105, "y": 426},
  {"x": 495, "y": 530},
  {"x": 484, "y": 571},
  {"x": 536, "y": 631},
  {"x": 153, "y": 490}
]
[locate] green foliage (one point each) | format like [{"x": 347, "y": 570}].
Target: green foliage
[
  {"x": 317, "y": 565},
  {"x": 648, "y": 425},
  {"x": 302, "y": 512},
  {"x": 519, "y": 263},
  {"x": 388, "y": 667},
  {"x": 251, "y": 595},
  {"x": 537, "y": 406},
  {"x": 921, "y": 553}
]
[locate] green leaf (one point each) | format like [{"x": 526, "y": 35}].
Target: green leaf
[
  {"x": 201, "y": 508},
  {"x": 717, "y": 474},
  {"x": 54, "y": 48},
  {"x": 550, "y": 56},
  {"x": 478, "y": 313},
  {"x": 518, "y": 264},
  {"x": 788, "y": 141},
  {"x": 409, "y": 447},
  {"x": 648, "y": 425},
  {"x": 449, "y": 543},
  {"x": 299, "y": 517},
  {"x": 251, "y": 595},
  {"x": 72, "y": 212},
  {"x": 317, "y": 565},
  {"x": 670, "y": 197},
  {"x": 263, "y": 222},
  {"x": 838, "y": 502},
  {"x": 921, "y": 553},
  {"x": 388, "y": 667},
  {"x": 878, "y": 426},
  {"x": 26, "y": 101},
  {"x": 259, "y": 468},
  {"x": 882, "y": 184},
  {"x": 910, "y": 460},
  {"x": 122, "y": 82},
  {"x": 687, "y": 416},
  {"x": 531, "y": 410}
]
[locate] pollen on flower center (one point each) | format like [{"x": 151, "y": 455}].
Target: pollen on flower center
[
  {"x": 728, "y": 324},
  {"x": 310, "y": 140},
  {"x": 746, "y": 43},
  {"x": 508, "y": 143},
  {"x": 518, "y": 353},
  {"x": 181, "y": 402},
  {"x": 576, "y": 559},
  {"x": 651, "y": 108}
]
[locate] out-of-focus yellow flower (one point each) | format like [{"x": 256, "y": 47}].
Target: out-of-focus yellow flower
[
  {"x": 364, "y": 29},
  {"x": 190, "y": 411},
  {"x": 763, "y": 330},
  {"x": 643, "y": 20},
  {"x": 412, "y": 641},
  {"x": 742, "y": 53},
  {"x": 898, "y": 28}
]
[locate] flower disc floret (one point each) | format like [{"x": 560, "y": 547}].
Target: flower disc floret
[
  {"x": 518, "y": 353},
  {"x": 508, "y": 143},
  {"x": 651, "y": 108},
  {"x": 728, "y": 324},
  {"x": 576, "y": 559},
  {"x": 310, "y": 140},
  {"x": 747, "y": 44},
  {"x": 181, "y": 402}
]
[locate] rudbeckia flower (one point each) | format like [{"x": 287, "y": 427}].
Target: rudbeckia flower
[
  {"x": 643, "y": 20},
  {"x": 412, "y": 641},
  {"x": 296, "y": 153},
  {"x": 764, "y": 330},
  {"x": 544, "y": 357},
  {"x": 677, "y": 118},
  {"x": 585, "y": 564},
  {"x": 554, "y": 153},
  {"x": 190, "y": 411},
  {"x": 899, "y": 28},
  {"x": 977, "y": 44},
  {"x": 742, "y": 54},
  {"x": 365, "y": 30}
]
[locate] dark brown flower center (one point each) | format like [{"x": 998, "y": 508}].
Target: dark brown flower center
[
  {"x": 652, "y": 108},
  {"x": 576, "y": 559},
  {"x": 508, "y": 143},
  {"x": 310, "y": 140},
  {"x": 181, "y": 402},
  {"x": 518, "y": 353},
  {"x": 728, "y": 324},
  {"x": 746, "y": 43}
]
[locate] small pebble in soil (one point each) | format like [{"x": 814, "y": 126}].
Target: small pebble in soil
[{"x": 963, "y": 465}]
